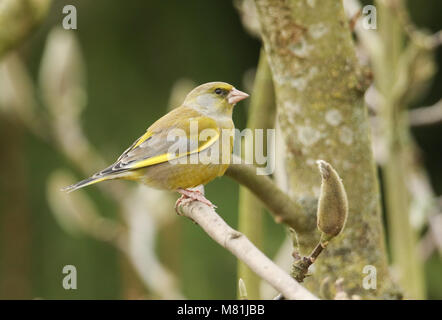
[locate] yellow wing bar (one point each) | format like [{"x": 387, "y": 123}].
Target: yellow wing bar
[{"x": 169, "y": 156}]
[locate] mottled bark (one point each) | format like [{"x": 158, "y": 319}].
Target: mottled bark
[{"x": 322, "y": 116}]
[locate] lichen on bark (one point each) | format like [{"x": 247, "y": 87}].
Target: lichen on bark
[{"x": 322, "y": 115}]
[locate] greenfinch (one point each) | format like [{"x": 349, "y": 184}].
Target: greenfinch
[{"x": 188, "y": 147}]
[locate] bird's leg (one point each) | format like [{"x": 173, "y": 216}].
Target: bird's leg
[{"x": 189, "y": 195}]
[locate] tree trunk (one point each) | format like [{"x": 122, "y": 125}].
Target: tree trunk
[{"x": 322, "y": 115}]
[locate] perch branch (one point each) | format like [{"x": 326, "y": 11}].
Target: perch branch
[
  {"x": 283, "y": 208},
  {"x": 243, "y": 249}
]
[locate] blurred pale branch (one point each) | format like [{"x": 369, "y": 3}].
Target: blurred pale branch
[
  {"x": 249, "y": 16},
  {"x": 18, "y": 18},
  {"x": 424, "y": 116},
  {"x": 419, "y": 37},
  {"x": 402, "y": 75},
  {"x": 432, "y": 240},
  {"x": 368, "y": 39},
  {"x": 244, "y": 250},
  {"x": 17, "y": 98},
  {"x": 419, "y": 117},
  {"x": 77, "y": 213},
  {"x": 402, "y": 71},
  {"x": 62, "y": 87},
  {"x": 423, "y": 204},
  {"x": 62, "y": 84},
  {"x": 436, "y": 231},
  {"x": 146, "y": 211}
]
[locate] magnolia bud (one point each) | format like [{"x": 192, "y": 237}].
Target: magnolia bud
[{"x": 333, "y": 205}]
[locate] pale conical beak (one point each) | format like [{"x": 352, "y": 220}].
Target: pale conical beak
[{"x": 236, "y": 96}]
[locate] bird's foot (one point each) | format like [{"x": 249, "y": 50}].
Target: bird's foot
[{"x": 187, "y": 196}]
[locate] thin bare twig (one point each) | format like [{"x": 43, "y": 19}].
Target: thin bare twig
[{"x": 301, "y": 264}]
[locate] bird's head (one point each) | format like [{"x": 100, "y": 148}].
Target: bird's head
[{"x": 214, "y": 98}]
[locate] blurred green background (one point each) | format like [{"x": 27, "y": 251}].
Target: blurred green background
[{"x": 134, "y": 52}]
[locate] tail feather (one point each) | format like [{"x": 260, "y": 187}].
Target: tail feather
[
  {"x": 106, "y": 174},
  {"x": 85, "y": 182}
]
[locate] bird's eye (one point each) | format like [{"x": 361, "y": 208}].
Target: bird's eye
[{"x": 218, "y": 91}]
